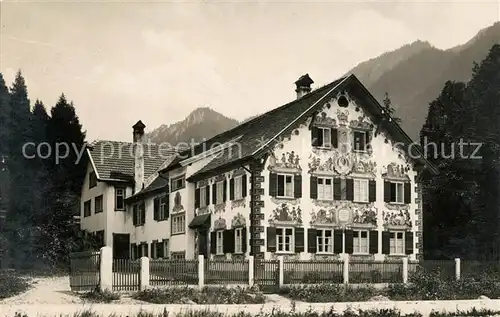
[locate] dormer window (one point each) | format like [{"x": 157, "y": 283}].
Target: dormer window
[{"x": 178, "y": 183}]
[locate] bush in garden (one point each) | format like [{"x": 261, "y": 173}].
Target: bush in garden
[{"x": 11, "y": 284}]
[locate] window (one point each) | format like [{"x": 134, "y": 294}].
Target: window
[
  {"x": 92, "y": 180},
  {"x": 100, "y": 237},
  {"x": 87, "y": 208},
  {"x": 219, "y": 198},
  {"x": 324, "y": 240},
  {"x": 177, "y": 183},
  {"x": 284, "y": 239},
  {"x": 397, "y": 192},
  {"x": 285, "y": 186},
  {"x": 119, "y": 198},
  {"x": 360, "y": 241},
  {"x": 361, "y": 190},
  {"x": 139, "y": 214},
  {"x": 165, "y": 249},
  {"x": 360, "y": 141},
  {"x": 98, "y": 204},
  {"x": 178, "y": 255},
  {"x": 396, "y": 242},
  {"x": 178, "y": 224},
  {"x": 238, "y": 187},
  {"x": 238, "y": 240},
  {"x": 220, "y": 242},
  {"x": 163, "y": 208},
  {"x": 325, "y": 189},
  {"x": 324, "y": 137},
  {"x": 203, "y": 196}
]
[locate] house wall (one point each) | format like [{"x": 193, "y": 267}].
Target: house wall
[
  {"x": 94, "y": 222},
  {"x": 295, "y": 154}
]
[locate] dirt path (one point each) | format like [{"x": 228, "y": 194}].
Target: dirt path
[{"x": 47, "y": 290}]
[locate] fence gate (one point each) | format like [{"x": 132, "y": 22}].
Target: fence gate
[
  {"x": 266, "y": 275},
  {"x": 84, "y": 271}
]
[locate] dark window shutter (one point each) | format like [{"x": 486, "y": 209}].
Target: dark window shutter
[
  {"x": 214, "y": 193},
  {"x": 386, "y": 242},
  {"x": 334, "y": 138},
  {"x": 145, "y": 248},
  {"x": 167, "y": 206},
  {"x": 244, "y": 240},
  {"x": 349, "y": 241},
  {"x": 337, "y": 191},
  {"x": 299, "y": 240},
  {"x": 159, "y": 250},
  {"x": 362, "y": 141},
  {"x": 134, "y": 215},
  {"x": 311, "y": 240},
  {"x": 213, "y": 243},
  {"x": 231, "y": 189},
  {"x": 152, "y": 252},
  {"x": 349, "y": 189},
  {"x": 273, "y": 184},
  {"x": 407, "y": 193},
  {"x": 373, "y": 249},
  {"x": 244, "y": 185},
  {"x": 207, "y": 196},
  {"x": 387, "y": 192},
  {"x": 297, "y": 186},
  {"x": 314, "y": 136},
  {"x": 338, "y": 241},
  {"x": 409, "y": 242},
  {"x": 271, "y": 239},
  {"x": 372, "y": 191},
  {"x": 197, "y": 198},
  {"x": 156, "y": 208},
  {"x": 134, "y": 251},
  {"x": 313, "y": 187},
  {"x": 224, "y": 188},
  {"x": 228, "y": 241},
  {"x": 143, "y": 213},
  {"x": 368, "y": 137}
]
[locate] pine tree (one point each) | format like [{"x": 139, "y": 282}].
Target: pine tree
[
  {"x": 4, "y": 173},
  {"x": 389, "y": 109}
]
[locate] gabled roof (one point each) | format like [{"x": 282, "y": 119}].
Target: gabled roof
[
  {"x": 114, "y": 160},
  {"x": 258, "y": 133}
]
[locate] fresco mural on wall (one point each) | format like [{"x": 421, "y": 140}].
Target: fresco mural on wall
[
  {"x": 238, "y": 221},
  {"x": 285, "y": 213},
  {"x": 178, "y": 203}
]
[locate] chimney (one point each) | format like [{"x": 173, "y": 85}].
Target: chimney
[
  {"x": 303, "y": 85},
  {"x": 138, "y": 155}
]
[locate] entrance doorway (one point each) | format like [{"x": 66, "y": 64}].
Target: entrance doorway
[{"x": 121, "y": 246}]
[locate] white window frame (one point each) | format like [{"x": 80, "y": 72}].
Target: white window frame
[
  {"x": 402, "y": 200},
  {"x": 179, "y": 224},
  {"x": 393, "y": 240},
  {"x": 322, "y": 196},
  {"x": 238, "y": 187},
  {"x": 281, "y": 232},
  {"x": 219, "y": 242},
  {"x": 284, "y": 185},
  {"x": 365, "y": 133},
  {"x": 238, "y": 240},
  {"x": 174, "y": 180},
  {"x": 321, "y": 247},
  {"x": 165, "y": 249},
  {"x": 163, "y": 207},
  {"x": 219, "y": 192},
  {"x": 359, "y": 195},
  {"x": 327, "y": 133},
  {"x": 119, "y": 192},
  {"x": 203, "y": 196},
  {"x": 357, "y": 241}
]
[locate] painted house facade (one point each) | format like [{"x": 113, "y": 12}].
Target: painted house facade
[{"x": 326, "y": 176}]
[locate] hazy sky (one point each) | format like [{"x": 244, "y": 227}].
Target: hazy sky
[{"x": 157, "y": 61}]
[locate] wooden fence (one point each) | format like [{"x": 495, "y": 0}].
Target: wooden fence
[{"x": 84, "y": 271}]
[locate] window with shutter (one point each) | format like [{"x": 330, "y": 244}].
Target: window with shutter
[
  {"x": 325, "y": 188},
  {"x": 119, "y": 198},
  {"x": 324, "y": 241},
  {"x": 360, "y": 141},
  {"x": 397, "y": 245},
  {"x": 156, "y": 209},
  {"x": 396, "y": 192},
  {"x": 220, "y": 242},
  {"x": 285, "y": 239},
  {"x": 203, "y": 196},
  {"x": 285, "y": 186},
  {"x": 238, "y": 187},
  {"x": 361, "y": 241},
  {"x": 178, "y": 223},
  {"x": 238, "y": 240},
  {"x": 219, "y": 197},
  {"x": 361, "y": 190},
  {"x": 163, "y": 208}
]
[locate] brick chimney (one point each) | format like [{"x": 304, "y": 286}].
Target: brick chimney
[
  {"x": 138, "y": 155},
  {"x": 303, "y": 85}
]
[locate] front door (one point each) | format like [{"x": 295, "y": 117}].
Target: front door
[{"x": 121, "y": 246}]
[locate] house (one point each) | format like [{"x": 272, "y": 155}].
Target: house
[{"x": 327, "y": 176}]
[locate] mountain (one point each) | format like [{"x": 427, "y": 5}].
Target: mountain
[
  {"x": 202, "y": 123},
  {"x": 413, "y": 75}
]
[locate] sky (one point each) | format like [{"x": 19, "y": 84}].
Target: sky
[{"x": 120, "y": 62}]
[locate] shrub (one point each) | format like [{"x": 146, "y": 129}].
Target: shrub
[
  {"x": 11, "y": 284},
  {"x": 208, "y": 295},
  {"x": 98, "y": 296}
]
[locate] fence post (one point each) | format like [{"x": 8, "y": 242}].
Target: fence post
[
  {"x": 144, "y": 273},
  {"x": 281, "y": 272},
  {"x": 405, "y": 270},
  {"x": 250, "y": 271},
  {"x": 346, "y": 270},
  {"x": 201, "y": 271},
  {"x": 106, "y": 269},
  {"x": 457, "y": 269}
]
